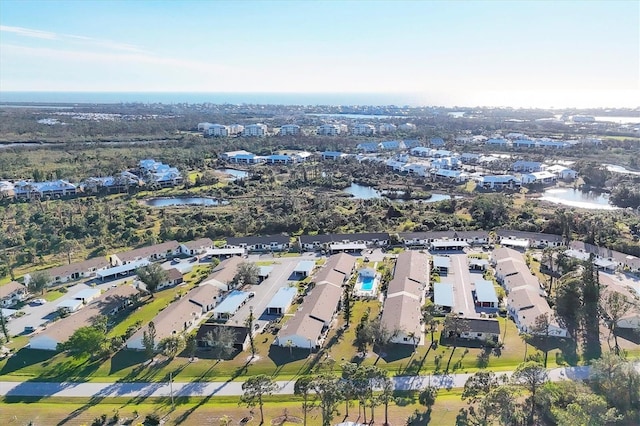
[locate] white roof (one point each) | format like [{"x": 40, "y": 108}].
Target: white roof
[{"x": 122, "y": 268}]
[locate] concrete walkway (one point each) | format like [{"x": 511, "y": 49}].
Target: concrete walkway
[{"x": 195, "y": 389}]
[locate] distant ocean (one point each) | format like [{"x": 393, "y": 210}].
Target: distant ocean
[{"x": 214, "y": 98}]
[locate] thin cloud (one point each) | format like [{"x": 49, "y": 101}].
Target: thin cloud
[
  {"x": 28, "y": 32},
  {"x": 70, "y": 38},
  {"x": 93, "y": 57}
]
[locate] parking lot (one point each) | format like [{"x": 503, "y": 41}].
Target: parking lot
[
  {"x": 281, "y": 276},
  {"x": 462, "y": 281}
]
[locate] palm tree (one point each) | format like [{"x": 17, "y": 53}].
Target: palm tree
[{"x": 414, "y": 338}]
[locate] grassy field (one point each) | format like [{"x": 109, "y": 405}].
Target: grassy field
[
  {"x": 281, "y": 363},
  {"x": 201, "y": 411}
]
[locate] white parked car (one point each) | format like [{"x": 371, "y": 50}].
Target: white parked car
[{"x": 39, "y": 301}]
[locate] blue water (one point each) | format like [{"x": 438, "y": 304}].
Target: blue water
[
  {"x": 367, "y": 283},
  {"x": 184, "y": 201},
  {"x": 215, "y": 98}
]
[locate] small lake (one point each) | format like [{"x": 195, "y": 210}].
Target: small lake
[
  {"x": 235, "y": 174},
  {"x": 355, "y": 116},
  {"x": 363, "y": 192},
  {"x": 184, "y": 201},
  {"x": 577, "y": 198}
]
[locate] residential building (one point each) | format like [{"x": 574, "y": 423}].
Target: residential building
[
  {"x": 11, "y": 293},
  {"x": 327, "y": 241},
  {"x": 152, "y": 253},
  {"x": 217, "y": 131},
  {"x": 363, "y": 129},
  {"x": 289, "y": 130},
  {"x": 108, "y": 304},
  {"x": 535, "y": 239},
  {"x": 174, "y": 278},
  {"x": 562, "y": 172},
  {"x": 401, "y": 312},
  {"x": 525, "y": 304},
  {"x": 178, "y": 318},
  {"x": 487, "y": 330},
  {"x": 277, "y": 242},
  {"x": 526, "y": 166},
  {"x": 223, "y": 274},
  {"x": 391, "y": 145},
  {"x": 332, "y": 155},
  {"x": 42, "y": 190},
  {"x": 309, "y": 325},
  {"x": 407, "y": 127},
  {"x": 368, "y": 147},
  {"x": 331, "y": 129},
  {"x": 387, "y": 128},
  {"x": 199, "y": 246},
  {"x": 499, "y": 182},
  {"x": 542, "y": 178},
  {"x": 75, "y": 271},
  {"x": 255, "y": 130},
  {"x": 436, "y": 142},
  {"x": 241, "y": 157}
]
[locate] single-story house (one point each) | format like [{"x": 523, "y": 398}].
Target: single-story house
[
  {"x": 223, "y": 274},
  {"x": 174, "y": 277},
  {"x": 536, "y": 239},
  {"x": 525, "y": 304},
  {"x": 205, "y": 332},
  {"x": 75, "y": 271},
  {"x": 310, "y": 323},
  {"x": 179, "y": 317},
  {"x": 200, "y": 246},
  {"x": 443, "y": 245},
  {"x": 266, "y": 243},
  {"x": 282, "y": 301},
  {"x": 206, "y": 296},
  {"x": 109, "y": 303},
  {"x": 481, "y": 329},
  {"x": 11, "y": 293},
  {"x": 150, "y": 253},
  {"x": 324, "y": 241},
  {"x": 401, "y": 312}
]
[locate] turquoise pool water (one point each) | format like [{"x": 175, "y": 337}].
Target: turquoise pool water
[{"x": 367, "y": 283}]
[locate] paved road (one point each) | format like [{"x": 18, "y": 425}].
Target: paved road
[{"x": 195, "y": 389}]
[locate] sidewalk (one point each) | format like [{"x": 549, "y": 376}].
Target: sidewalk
[{"x": 200, "y": 389}]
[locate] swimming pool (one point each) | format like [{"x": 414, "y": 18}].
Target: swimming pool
[{"x": 367, "y": 283}]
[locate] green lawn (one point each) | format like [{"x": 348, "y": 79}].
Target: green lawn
[
  {"x": 200, "y": 411},
  {"x": 281, "y": 363}
]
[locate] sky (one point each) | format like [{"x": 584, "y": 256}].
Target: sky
[{"x": 467, "y": 53}]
